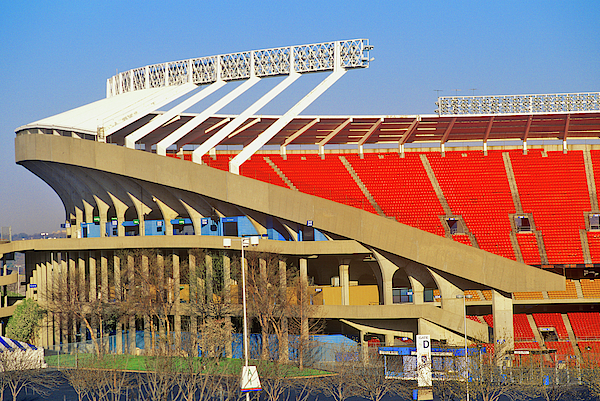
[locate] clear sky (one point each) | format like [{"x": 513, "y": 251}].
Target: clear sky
[{"x": 56, "y": 55}]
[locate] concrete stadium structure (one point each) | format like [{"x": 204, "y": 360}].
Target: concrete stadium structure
[{"x": 106, "y": 161}]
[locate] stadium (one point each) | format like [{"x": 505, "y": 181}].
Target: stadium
[{"x": 480, "y": 219}]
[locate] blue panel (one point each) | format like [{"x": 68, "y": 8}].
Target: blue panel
[
  {"x": 154, "y": 227},
  {"x": 319, "y": 236},
  {"x": 90, "y": 230},
  {"x": 210, "y": 227},
  {"x": 245, "y": 227},
  {"x": 276, "y": 231}
]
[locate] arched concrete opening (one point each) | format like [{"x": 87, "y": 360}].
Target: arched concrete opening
[{"x": 131, "y": 217}]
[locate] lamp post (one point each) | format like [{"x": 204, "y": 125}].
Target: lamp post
[
  {"x": 464, "y": 298},
  {"x": 244, "y": 241}
]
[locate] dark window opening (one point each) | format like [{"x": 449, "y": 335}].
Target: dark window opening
[
  {"x": 308, "y": 234},
  {"x": 230, "y": 229},
  {"x": 594, "y": 221},
  {"x": 454, "y": 226},
  {"x": 523, "y": 224}
]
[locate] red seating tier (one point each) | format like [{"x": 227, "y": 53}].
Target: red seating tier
[
  {"x": 522, "y": 327},
  {"x": 553, "y": 188},
  {"x": 476, "y": 187},
  {"x": 527, "y": 345},
  {"x": 529, "y": 248},
  {"x": 585, "y": 325},
  {"x": 552, "y": 320},
  {"x": 401, "y": 187},
  {"x": 326, "y": 178},
  {"x": 462, "y": 238}
]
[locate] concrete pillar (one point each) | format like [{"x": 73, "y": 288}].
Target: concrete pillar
[
  {"x": 364, "y": 347},
  {"x": 345, "y": 281},
  {"x": 193, "y": 280},
  {"x": 449, "y": 291},
  {"x": 43, "y": 292},
  {"x": 54, "y": 273},
  {"x": 389, "y": 340},
  {"x": 104, "y": 276},
  {"x": 176, "y": 299},
  {"x": 208, "y": 284},
  {"x": 83, "y": 292},
  {"x": 78, "y": 221},
  {"x": 73, "y": 283},
  {"x": 387, "y": 268},
  {"x": 119, "y": 298},
  {"x": 283, "y": 341},
  {"x": 304, "y": 302},
  {"x": 160, "y": 292},
  {"x": 502, "y": 311},
  {"x": 227, "y": 301},
  {"x": 64, "y": 275},
  {"x": 131, "y": 283},
  {"x": 148, "y": 340},
  {"x": 93, "y": 276}
]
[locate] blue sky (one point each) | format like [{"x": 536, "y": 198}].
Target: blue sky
[{"x": 55, "y": 56}]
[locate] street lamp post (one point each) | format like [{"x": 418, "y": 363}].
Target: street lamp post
[
  {"x": 464, "y": 298},
  {"x": 245, "y": 241}
]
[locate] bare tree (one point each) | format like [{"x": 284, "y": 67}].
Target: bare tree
[{"x": 20, "y": 370}]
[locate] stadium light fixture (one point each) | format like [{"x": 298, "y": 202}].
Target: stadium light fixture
[
  {"x": 464, "y": 298},
  {"x": 245, "y": 242}
]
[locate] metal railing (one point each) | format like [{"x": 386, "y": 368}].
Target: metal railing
[
  {"x": 316, "y": 57},
  {"x": 518, "y": 104}
]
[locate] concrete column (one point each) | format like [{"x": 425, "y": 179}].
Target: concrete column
[
  {"x": 104, "y": 276},
  {"x": 55, "y": 284},
  {"x": 304, "y": 302},
  {"x": 389, "y": 340},
  {"x": 83, "y": 292},
  {"x": 160, "y": 291},
  {"x": 148, "y": 340},
  {"x": 78, "y": 221},
  {"x": 283, "y": 341},
  {"x": 227, "y": 301},
  {"x": 120, "y": 219},
  {"x": 64, "y": 276},
  {"x": 502, "y": 311},
  {"x": 72, "y": 288},
  {"x": 449, "y": 291},
  {"x": 364, "y": 347},
  {"x": 387, "y": 268},
  {"x": 193, "y": 280},
  {"x": 119, "y": 298},
  {"x": 93, "y": 276},
  {"x": 43, "y": 292},
  {"x": 208, "y": 284},
  {"x": 131, "y": 284},
  {"x": 345, "y": 281},
  {"x": 176, "y": 299}
]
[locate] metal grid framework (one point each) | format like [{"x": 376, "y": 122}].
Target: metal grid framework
[
  {"x": 235, "y": 66},
  {"x": 518, "y": 104}
]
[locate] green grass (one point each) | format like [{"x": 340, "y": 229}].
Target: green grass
[{"x": 150, "y": 363}]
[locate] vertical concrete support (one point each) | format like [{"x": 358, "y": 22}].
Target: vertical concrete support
[
  {"x": 148, "y": 340},
  {"x": 193, "y": 280},
  {"x": 389, "y": 340},
  {"x": 283, "y": 341},
  {"x": 83, "y": 292},
  {"x": 72, "y": 288},
  {"x": 104, "y": 292},
  {"x": 208, "y": 265},
  {"x": 303, "y": 293},
  {"x": 449, "y": 291},
  {"x": 364, "y": 347},
  {"x": 93, "y": 276},
  {"x": 55, "y": 283},
  {"x": 176, "y": 299},
  {"x": 118, "y": 297},
  {"x": 64, "y": 282},
  {"x": 502, "y": 310},
  {"x": 387, "y": 268},
  {"x": 227, "y": 301},
  {"x": 131, "y": 283},
  {"x": 160, "y": 290},
  {"x": 345, "y": 281},
  {"x": 43, "y": 292}
]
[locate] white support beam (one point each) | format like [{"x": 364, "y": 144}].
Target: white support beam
[
  {"x": 262, "y": 139},
  {"x": 161, "y": 147},
  {"x": 239, "y": 120},
  {"x": 244, "y": 127},
  {"x": 332, "y": 134},
  {"x": 162, "y": 119},
  {"x": 292, "y": 137}
]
